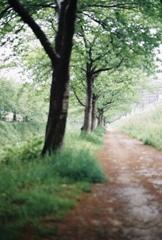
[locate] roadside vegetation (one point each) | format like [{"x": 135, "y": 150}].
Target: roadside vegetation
[
  {"x": 11, "y": 132},
  {"x": 146, "y": 127},
  {"x": 37, "y": 192}
]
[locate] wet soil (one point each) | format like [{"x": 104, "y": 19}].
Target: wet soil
[{"x": 129, "y": 205}]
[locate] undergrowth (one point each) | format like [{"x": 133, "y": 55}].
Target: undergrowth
[
  {"x": 11, "y": 132},
  {"x": 37, "y": 192},
  {"x": 146, "y": 127}
]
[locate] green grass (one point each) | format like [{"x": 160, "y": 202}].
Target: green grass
[
  {"x": 78, "y": 166},
  {"x": 14, "y": 132},
  {"x": 37, "y": 192},
  {"x": 145, "y": 127}
]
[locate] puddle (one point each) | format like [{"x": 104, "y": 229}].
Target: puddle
[
  {"x": 126, "y": 178},
  {"x": 129, "y": 144},
  {"x": 130, "y": 141},
  {"x": 156, "y": 181},
  {"x": 139, "y": 207},
  {"x": 150, "y": 172},
  {"x": 127, "y": 141}
]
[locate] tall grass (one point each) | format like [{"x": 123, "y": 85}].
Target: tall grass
[
  {"x": 11, "y": 132},
  {"x": 37, "y": 192},
  {"x": 146, "y": 127}
]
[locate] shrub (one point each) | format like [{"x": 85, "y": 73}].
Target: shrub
[
  {"x": 78, "y": 166},
  {"x": 29, "y": 150},
  {"x": 100, "y": 131}
]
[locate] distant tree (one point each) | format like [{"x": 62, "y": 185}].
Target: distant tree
[
  {"x": 118, "y": 38},
  {"x": 25, "y": 100},
  {"x": 7, "y": 93}
]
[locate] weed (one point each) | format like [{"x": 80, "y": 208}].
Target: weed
[
  {"x": 16, "y": 132},
  {"x": 78, "y": 165}
]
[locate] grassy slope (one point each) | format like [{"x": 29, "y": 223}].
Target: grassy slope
[
  {"x": 146, "y": 127},
  {"x": 37, "y": 192},
  {"x": 11, "y": 132}
]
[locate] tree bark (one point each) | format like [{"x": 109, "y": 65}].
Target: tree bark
[
  {"x": 59, "y": 96},
  {"x": 14, "y": 117},
  {"x": 104, "y": 122},
  {"x": 100, "y": 117},
  {"x": 58, "y": 109},
  {"x": 94, "y": 109},
  {"x": 88, "y": 106}
]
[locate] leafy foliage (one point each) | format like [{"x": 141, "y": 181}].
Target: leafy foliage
[
  {"x": 13, "y": 133},
  {"x": 24, "y": 99},
  {"x": 7, "y": 95}
]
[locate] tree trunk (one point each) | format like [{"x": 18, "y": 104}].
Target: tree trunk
[
  {"x": 100, "y": 118},
  {"x": 88, "y": 106},
  {"x": 104, "y": 122},
  {"x": 59, "y": 96},
  {"x": 56, "y": 123},
  {"x": 94, "y": 109},
  {"x": 14, "y": 117}
]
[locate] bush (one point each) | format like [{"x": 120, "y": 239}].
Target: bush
[
  {"x": 16, "y": 132},
  {"x": 100, "y": 131},
  {"x": 95, "y": 136},
  {"x": 25, "y": 151},
  {"x": 78, "y": 166}
]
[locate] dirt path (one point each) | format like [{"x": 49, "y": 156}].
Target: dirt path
[{"x": 129, "y": 206}]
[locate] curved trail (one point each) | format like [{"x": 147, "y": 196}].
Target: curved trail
[{"x": 129, "y": 205}]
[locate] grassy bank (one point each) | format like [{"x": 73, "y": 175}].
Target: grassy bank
[
  {"x": 36, "y": 193},
  {"x": 146, "y": 127},
  {"x": 11, "y": 132}
]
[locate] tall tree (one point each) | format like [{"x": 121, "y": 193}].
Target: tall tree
[
  {"x": 59, "y": 55},
  {"x": 97, "y": 57},
  {"x": 110, "y": 35}
]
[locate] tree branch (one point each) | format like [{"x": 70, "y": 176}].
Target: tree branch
[
  {"x": 102, "y": 70},
  {"x": 66, "y": 26},
  {"x": 25, "y": 16},
  {"x": 77, "y": 97},
  {"x": 101, "y": 23},
  {"x": 4, "y": 11},
  {"x": 86, "y": 42},
  {"x": 58, "y": 7},
  {"x": 42, "y": 5},
  {"x": 127, "y": 5},
  {"x": 70, "y": 17},
  {"x": 109, "y": 68}
]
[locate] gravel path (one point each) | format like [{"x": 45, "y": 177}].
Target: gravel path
[{"x": 129, "y": 205}]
